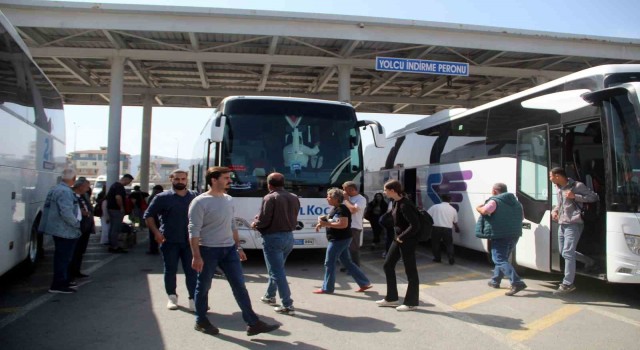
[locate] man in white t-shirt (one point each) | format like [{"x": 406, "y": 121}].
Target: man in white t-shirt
[
  {"x": 445, "y": 217},
  {"x": 356, "y": 204}
]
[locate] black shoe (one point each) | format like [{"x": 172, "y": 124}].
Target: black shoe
[
  {"x": 452, "y": 261},
  {"x": 151, "y": 253},
  {"x": 118, "y": 250},
  {"x": 206, "y": 327},
  {"x": 261, "y": 327},
  {"x": 343, "y": 269},
  {"x": 515, "y": 289},
  {"x": 492, "y": 284},
  {"x": 436, "y": 260},
  {"x": 81, "y": 275}
]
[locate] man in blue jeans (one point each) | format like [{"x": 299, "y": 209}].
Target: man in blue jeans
[
  {"x": 172, "y": 208},
  {"x": 567, "y": 213},
  {"x": 502, "y": 216},
  {"x": 61, "y": 219},
  {"x": 215, "y": 242},
  {"x": 276, "y": 221}
]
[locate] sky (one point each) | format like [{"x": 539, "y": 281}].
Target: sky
[{"x": 173, "y": 134}]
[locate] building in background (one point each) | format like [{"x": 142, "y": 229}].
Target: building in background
[
  {"x": 92, "y": 163},
  {"x": 159, "y": 170}
]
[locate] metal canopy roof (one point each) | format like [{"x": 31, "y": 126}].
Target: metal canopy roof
[{"x": 188, "y": 56}]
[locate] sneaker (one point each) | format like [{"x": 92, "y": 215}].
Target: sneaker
[
  {"x": 65, "y": 290},
  {"x": 515, "y": 289},
  {"x": 192, "y": 305},
  {"x": 206, "y": 327},
  {"x": 436, "y": 260},
  {"x": 452, "y": 260},
  {"x": 493, "y": 284},
  {"x": 343, "y": 269},
  {"x": 261, "y": 327},
  {"x": 384, "y": 302},
  {"x": 80, "y": 275},
  {"x": 267, "y": 300},
  {"x": 73, "y": 285},
  {"x": 362, "y": 289},
  {"x": 406, "y": 308},
  {"x": 564, "y": 289},
  {"x": 285, "y": 310},
  {"x": 172, "y": 304}
]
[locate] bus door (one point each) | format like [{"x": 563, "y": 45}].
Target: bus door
[{"x": 532, "y": 188}]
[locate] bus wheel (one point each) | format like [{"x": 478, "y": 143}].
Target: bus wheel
[{"x": 35, "y": 251}]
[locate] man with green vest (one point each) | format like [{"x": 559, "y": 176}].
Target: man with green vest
[{"x": 501, "y": 222}]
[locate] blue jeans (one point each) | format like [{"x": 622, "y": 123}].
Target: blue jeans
[
  {"x": 229, "y": 261},
  {"x": 171, "y": 253},
  {"x": 276, "y": 249},
  {"x": 64, "y": 248},
  {"x": 340, "y": 250},
  {"x": 501, "y": 248},
  {"x": 115, "y": 227},
  {"x": 568, "y": 237}
]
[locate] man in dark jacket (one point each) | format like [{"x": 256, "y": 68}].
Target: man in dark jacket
[
  {"x": 502, "y": 215},
  {"x": 276, "y": 222}
]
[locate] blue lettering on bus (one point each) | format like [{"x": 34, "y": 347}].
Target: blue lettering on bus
[
  {"x": 313, "y": 210},
  {"x": 452, "y": 183}
]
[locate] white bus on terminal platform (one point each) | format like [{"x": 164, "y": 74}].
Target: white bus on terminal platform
[
  {"x": 32, "y": 150},
  {"x": 587, "y": 122},
  {"x": 316, "y": 144}
]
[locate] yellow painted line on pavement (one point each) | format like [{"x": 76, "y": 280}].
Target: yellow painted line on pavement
[
  {"x": 456, "y": 278},
  {"x": 9, "y": 310},
  {"x": 545, "y": 322},
  {"x": 478, "y": 300}
]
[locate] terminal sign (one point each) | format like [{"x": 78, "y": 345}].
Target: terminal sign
[{"x": 421, "y": 66}]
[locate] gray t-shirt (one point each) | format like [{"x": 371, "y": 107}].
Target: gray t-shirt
[{"x": 211, "y": 219}]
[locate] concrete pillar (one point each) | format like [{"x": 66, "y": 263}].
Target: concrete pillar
[
  {"x": 344, "y": 83},
  {"x": 115, "y": 120},
  {"x": 145, "y": 149}
]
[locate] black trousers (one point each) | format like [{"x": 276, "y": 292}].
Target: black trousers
[
  {"x": 446, "y": 235},
  {"x": 406, "y": 250},
  {"x": 78, "y": 253}
]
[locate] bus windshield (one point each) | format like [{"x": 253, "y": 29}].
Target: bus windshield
[
  {"x": 624, "y": 130},
  {"x": 315, "y": 145}
]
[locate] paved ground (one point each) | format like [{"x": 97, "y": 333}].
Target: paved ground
[{"x": 124, "y": 307}]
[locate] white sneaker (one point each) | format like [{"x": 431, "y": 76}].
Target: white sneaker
[
  {"x": 406, "y": 308},
  {"x": 172, "y": 304},
  {"x": 383, "y": 302},
  {"x": 192, "y": 305}
]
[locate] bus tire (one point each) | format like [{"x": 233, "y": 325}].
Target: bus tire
[{"x": 35, "y": 250}]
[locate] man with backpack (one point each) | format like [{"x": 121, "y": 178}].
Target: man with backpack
[
  {"x": 445, "y": 218},
  {"x": 572, "y": 196}
]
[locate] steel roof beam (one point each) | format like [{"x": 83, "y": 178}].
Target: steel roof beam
[
  {"x": 251, "y": 22},
  {"x": 241, "y": 58}
]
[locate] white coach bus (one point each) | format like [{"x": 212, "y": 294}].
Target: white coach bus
[
  {"x": 314, "y": 143},
  {"x": 32, "y": 149},
  {"x": 587, "y": 122}
]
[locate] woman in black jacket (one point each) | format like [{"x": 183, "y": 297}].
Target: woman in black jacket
[{"x": 406, "y": 221}]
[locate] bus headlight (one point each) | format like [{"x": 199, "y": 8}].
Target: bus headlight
[{"x": 633, "y": 242}]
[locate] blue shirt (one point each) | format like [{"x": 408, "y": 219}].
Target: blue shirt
[{"x": 172, "y": 210}]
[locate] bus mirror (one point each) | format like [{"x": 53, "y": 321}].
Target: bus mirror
[
  {"x": 379, "y": 137},
  {"x": 561, "y": 102},
  {"x": 217, "y": 129}
]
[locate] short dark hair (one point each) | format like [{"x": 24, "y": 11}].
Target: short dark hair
[
  {"x": 136, "y": 188},
  {"x": 500, "y": 187},
  {"x": 158, "y": 188},
  {"x": 394, "y": 185},
  {"x": 128, "y": 176},
  {"x": 275, "y": 180},
  {"x": 214, "y": 172},
  {"x": 445, "y": 197},
  {"x": 177, "y": 171},
  {"x": 559, "y": 171}
]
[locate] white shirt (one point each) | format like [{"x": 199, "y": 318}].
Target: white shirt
[
  {"x": 360, "y": 203},
  {"x": 444, "y": 215},
  {"x": 300, "y": 157}
]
